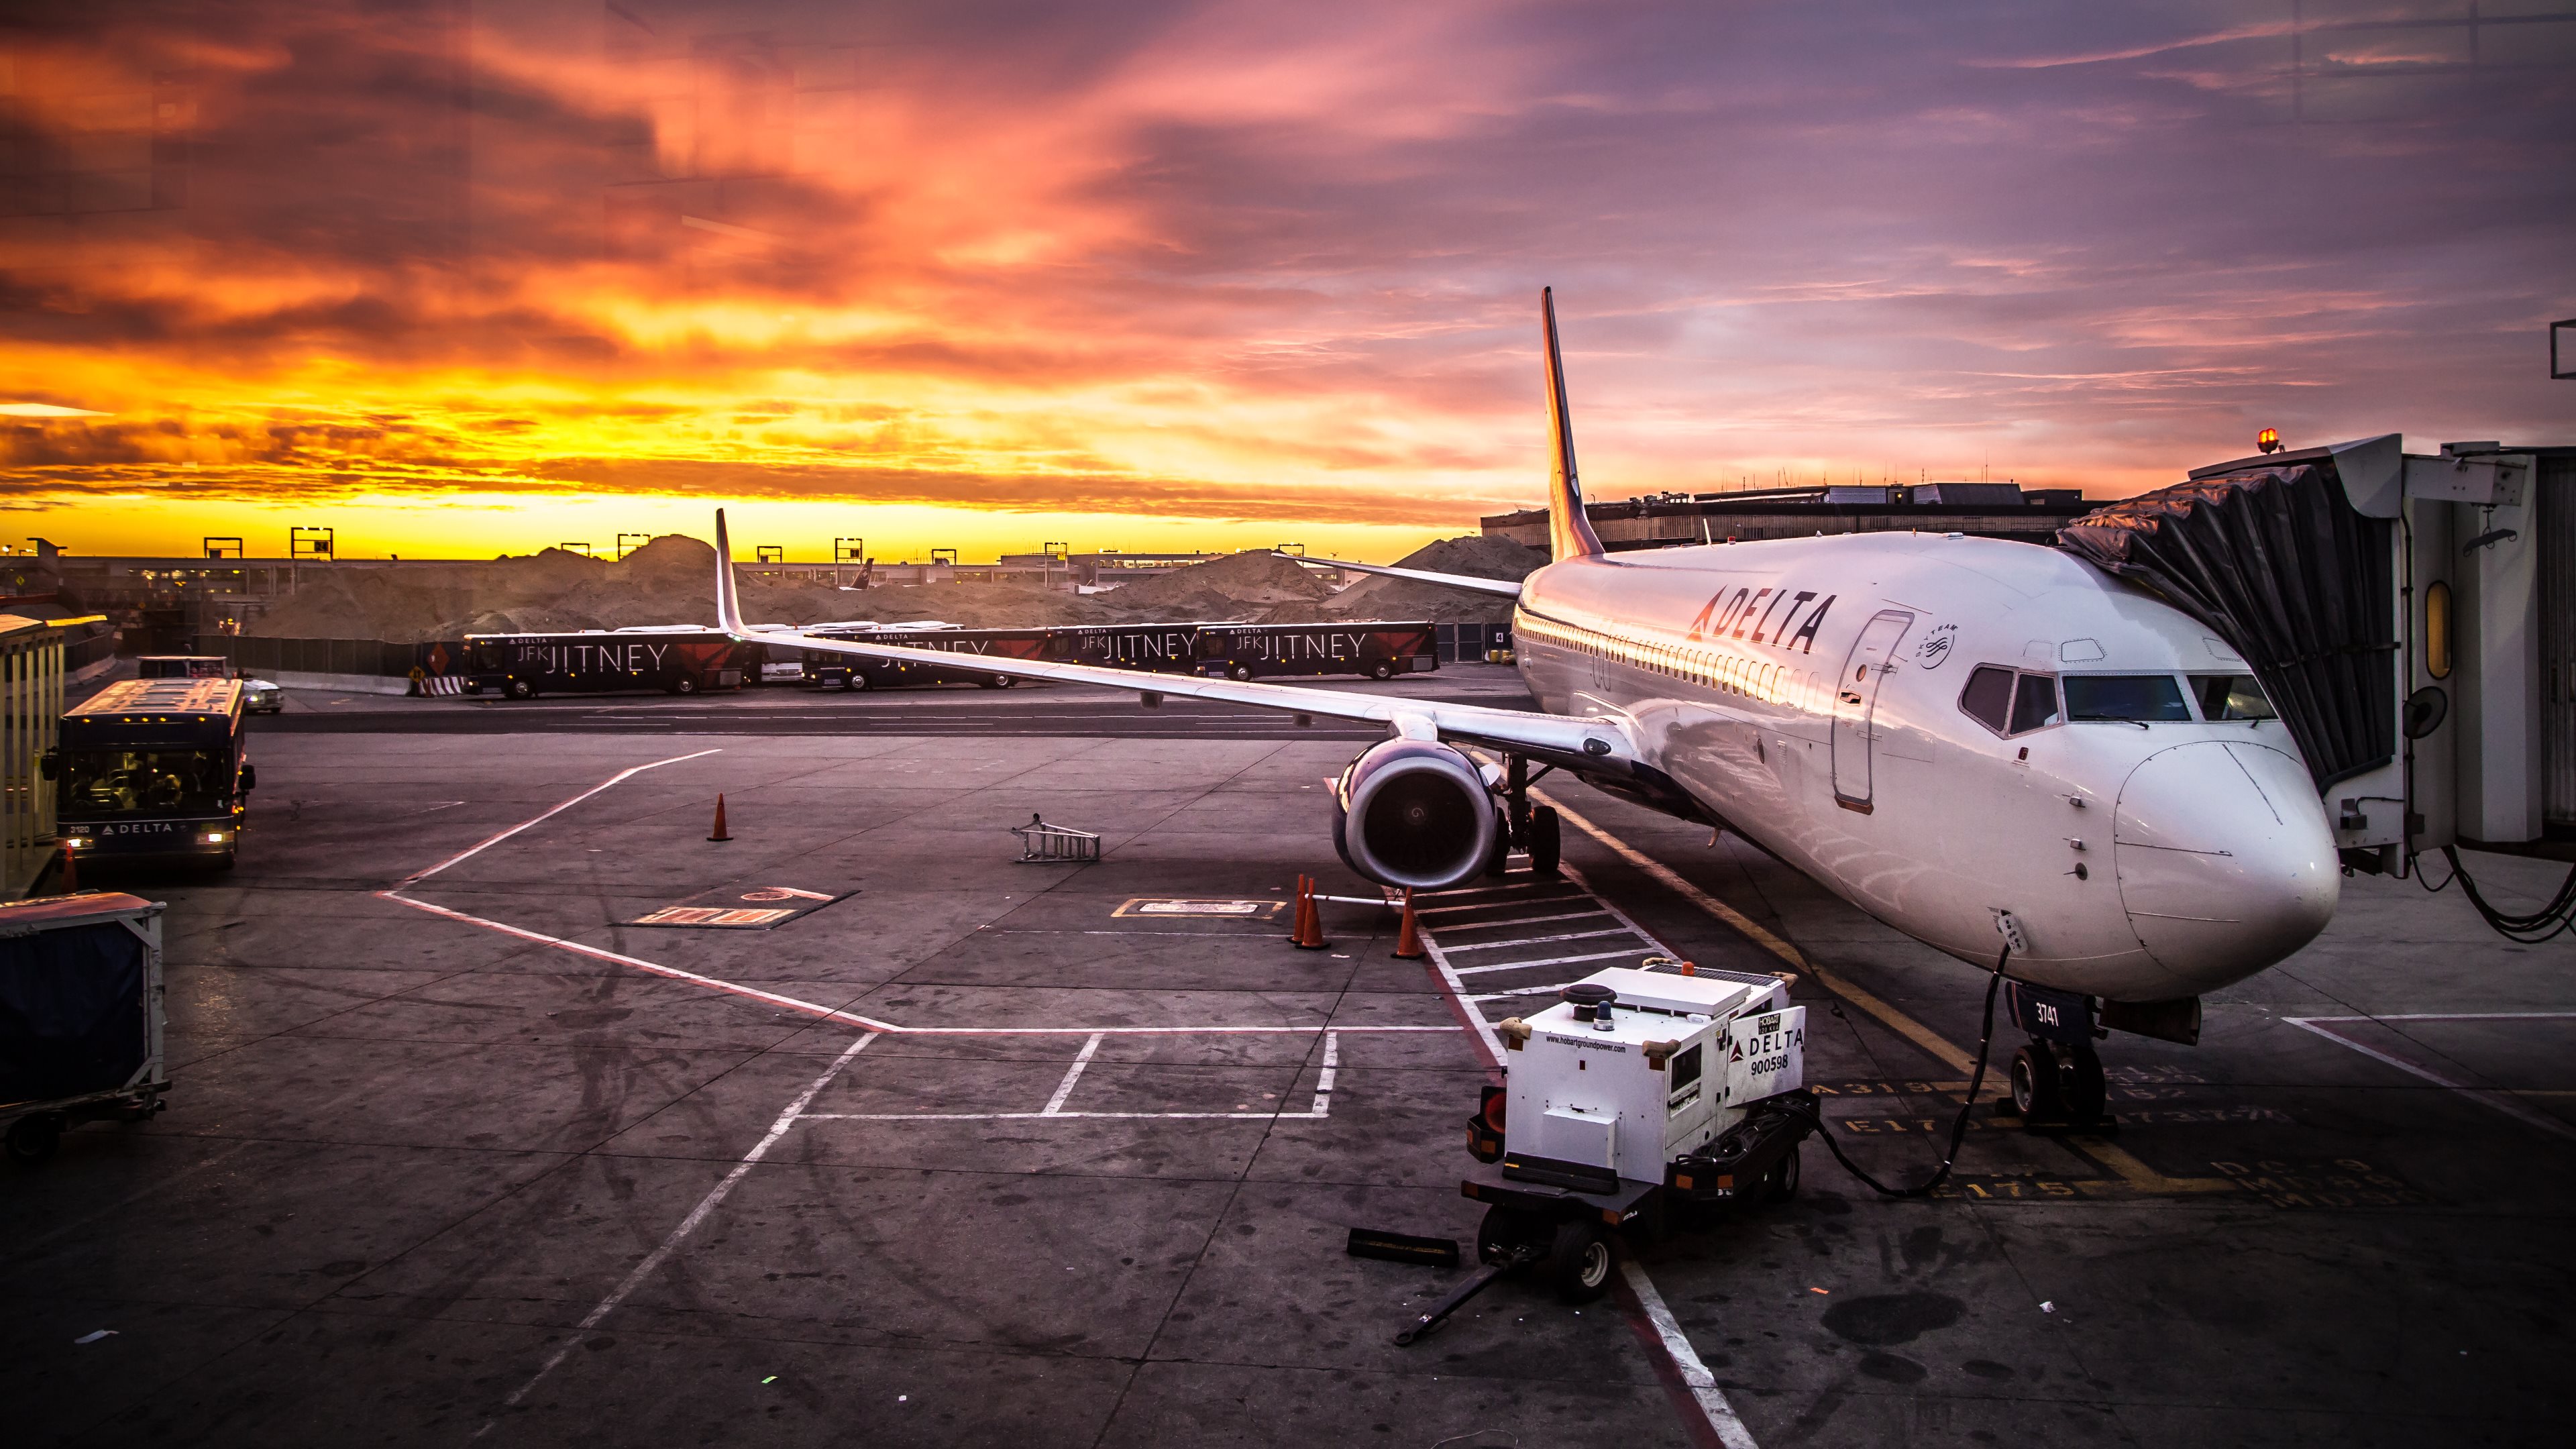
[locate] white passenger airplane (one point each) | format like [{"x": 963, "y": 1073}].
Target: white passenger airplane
[{"x": 1961, "y": 736}]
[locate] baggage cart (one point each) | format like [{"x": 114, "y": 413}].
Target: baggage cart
[{"x": 81, "y": 1018}]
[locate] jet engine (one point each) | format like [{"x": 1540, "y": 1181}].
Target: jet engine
[{"x": 1415, "y": 813}]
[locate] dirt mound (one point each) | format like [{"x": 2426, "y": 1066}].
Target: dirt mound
[
  {"x": 1378, "y": 597},
  {"x": 1240, "y": 586},
  {"x": 671, "y": 580},
  {"x": 976, "y": 606}
]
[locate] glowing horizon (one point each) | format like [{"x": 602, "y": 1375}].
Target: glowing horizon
[{"x": 1207, "y": 275}]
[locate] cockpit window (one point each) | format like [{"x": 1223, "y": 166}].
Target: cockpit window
[
  {"x": 2137, "y": 697},
  {"x": 2231, "y": 696},
  {"x": 2034, "y": 703},
  {"x": 2008, "y": 701},
  {"x": 1988, "y": 697}
]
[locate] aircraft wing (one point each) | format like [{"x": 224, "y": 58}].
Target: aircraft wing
[
  {"x": 1579, "y": 743},
  {"x": 1507, "y": 588}
]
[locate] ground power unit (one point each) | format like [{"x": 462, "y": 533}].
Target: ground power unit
[{"x": 1638, "y": 1096}]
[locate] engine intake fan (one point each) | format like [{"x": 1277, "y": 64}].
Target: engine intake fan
[{"x": 1415, "y": 813}]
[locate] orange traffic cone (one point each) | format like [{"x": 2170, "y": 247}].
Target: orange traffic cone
[
  {"x": 1408, "y": 937},
  {"x": 71, "y": 869},
  {"x": 1310, "y": 922},
  {"x": 719, "y": 833}
]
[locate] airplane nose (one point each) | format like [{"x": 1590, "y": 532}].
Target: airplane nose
[{"x": 2224, "y": 860}]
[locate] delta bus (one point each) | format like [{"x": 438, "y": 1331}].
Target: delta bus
[
  {"x": 154, "y": 770},
  {"x": 600, "y": 661},
  {"x": 849, "y": 673}
]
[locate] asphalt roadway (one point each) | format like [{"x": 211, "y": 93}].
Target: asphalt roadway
[{"x": 993, "y": 1153}]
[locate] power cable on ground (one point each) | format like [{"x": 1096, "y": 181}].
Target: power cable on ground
[{"x": 1958, "y": 1125}]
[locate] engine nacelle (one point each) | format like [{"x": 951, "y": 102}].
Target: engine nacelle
[{"x": 1415, "y": 813}]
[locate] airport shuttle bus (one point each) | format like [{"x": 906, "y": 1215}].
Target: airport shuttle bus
[
  {"x": 154, "y": 769},
  {"x": 1270, "y": 651},
  {"x": 1237, "y": 651},
  {"x": 603, "y": 661},
  {"x": 834, "y": 669}
]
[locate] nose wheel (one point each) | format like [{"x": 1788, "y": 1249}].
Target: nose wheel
[{"x": 2059, "y": 1086}]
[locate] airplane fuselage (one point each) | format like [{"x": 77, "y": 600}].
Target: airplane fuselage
[{"x": 1823, "y": 698}]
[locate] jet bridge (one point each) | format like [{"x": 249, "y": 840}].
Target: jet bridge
[{"x": 2411, "y": 617}]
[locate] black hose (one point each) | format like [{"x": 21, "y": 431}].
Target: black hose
[
  {"x": 1958, "y": 1125},
  {"x": 2530, "y": 930}
]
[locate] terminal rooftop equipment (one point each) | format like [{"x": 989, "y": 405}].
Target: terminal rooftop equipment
[
  {"x": 154, "y": 769},
  {"x": 80, "y": 1016},
  {"x": 1639, "y": 1093}
]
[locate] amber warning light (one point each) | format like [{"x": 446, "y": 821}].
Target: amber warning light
[{"x": 2269, "y": 440}]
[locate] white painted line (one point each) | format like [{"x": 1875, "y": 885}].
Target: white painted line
[
  {"x": 619, "y": 778},
  {"x": 1646, "y": 950},
  {"x": 1421, "y": 910},
  {"x": 753, "y": 993},
  {"x": 1545, "y": 940},
  {"x": 1622, "y": 917},
  {"x": 1520, "y": 921},
  {"x": 706, "y": 1206},
  {"x": 1058, "y": 1116},
  {"x": 1324, "y": 1084},
  {"x": 2451, "y": 1016},
  {"x": 1064, "y": 1089},
  {"x": 1458, "y": 994},
  {"x": 1520, "y": 885},
  {"x": 2498, "y": 1100},
  {"x": 1702, "y": 1384}
]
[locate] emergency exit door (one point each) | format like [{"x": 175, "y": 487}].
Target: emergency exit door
[{"x": 1856, "y": 705}]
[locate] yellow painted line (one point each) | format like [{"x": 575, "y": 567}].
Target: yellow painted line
[
  {"x": 2106, "y": 1154},
  {"x": 2140, "y": 1176}
]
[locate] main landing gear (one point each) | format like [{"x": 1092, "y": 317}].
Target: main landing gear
[{"x": 1532, "y": 830}]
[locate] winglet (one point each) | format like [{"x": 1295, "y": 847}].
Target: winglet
[
  {"x": 1569, "y": 530},
  {"x": 728, "y": 603}
]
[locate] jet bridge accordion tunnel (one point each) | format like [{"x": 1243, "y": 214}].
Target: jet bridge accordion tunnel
[{"x": 2412, "y": 619}]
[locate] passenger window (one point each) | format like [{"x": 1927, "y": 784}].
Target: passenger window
[
  {"x": 2034, "y": 703},
  {"x": 1988, "y": 697},
  {"x": 2138, "y": 697},
  {"x": 1685, "y": 1068},
  {"x": 2231, "y": 696}
]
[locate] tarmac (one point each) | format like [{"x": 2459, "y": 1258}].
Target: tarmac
[{"x": 981, "y": 1152}]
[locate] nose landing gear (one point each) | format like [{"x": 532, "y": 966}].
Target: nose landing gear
[{"x": 2057, "y": 1081}]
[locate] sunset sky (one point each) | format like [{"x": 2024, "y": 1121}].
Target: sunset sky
[{"x": 461, "y": 279}]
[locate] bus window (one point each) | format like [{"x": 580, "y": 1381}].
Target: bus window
[{"x": 99, "y": 783}]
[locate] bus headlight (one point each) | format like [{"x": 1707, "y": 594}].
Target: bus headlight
[
  {"x": 218, "y": 837},
  {"x": 77, "y": 842}
]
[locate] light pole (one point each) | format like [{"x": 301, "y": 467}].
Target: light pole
[
  {"x": 847, "y": 550},
  {"x": 621, "y": 543}
]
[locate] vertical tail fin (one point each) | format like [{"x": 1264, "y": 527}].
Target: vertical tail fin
[
  {"x": 728, "y": 602},
  {"x": 1569, "y": 530}
]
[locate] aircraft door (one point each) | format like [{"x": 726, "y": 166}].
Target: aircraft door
[{"x": 1856, "y": 701}]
